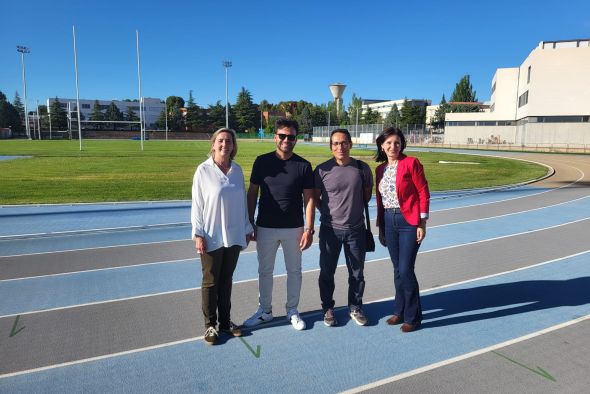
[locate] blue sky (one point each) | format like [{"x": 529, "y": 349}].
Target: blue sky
[{"x": 280, "y": 50}]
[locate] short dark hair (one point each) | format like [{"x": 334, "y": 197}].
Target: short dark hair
[
  {"x": 380, "y": 156},
  {"x": 343, "y": 131},
  {"x": 283, "y": 123}
]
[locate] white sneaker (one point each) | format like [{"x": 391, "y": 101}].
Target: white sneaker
[
  {"x": 295, "y": 319},
  {"x": 258, "y": 317}
]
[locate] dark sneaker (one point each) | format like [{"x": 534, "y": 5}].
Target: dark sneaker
[
  {"x": 232, "y": 330},
  {"x": 329, "y": 318},
  {"x": 359, "y": 317},
  {"x": 211, "y": 336}
]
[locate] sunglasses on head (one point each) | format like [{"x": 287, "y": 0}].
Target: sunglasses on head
[{"x": 289, "y": 137}]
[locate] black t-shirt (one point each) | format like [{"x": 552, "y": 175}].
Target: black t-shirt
[{"x": 281, "y": 187}]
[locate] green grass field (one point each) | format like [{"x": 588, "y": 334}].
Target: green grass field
[{"x": 116, "y": 170}]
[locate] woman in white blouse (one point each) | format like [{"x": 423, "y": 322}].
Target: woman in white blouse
[{"x": 221, "y": 229}]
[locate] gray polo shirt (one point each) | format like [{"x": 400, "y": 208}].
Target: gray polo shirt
[{"x": 342, "y": 205}]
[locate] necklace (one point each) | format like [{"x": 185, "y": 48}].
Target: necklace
[{"x": 222, "y": 167}]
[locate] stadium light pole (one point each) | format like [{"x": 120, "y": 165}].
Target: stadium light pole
[
  {"x": 139, "y": 84},
  {"x": 38, "y": 120},
  {"x": 166, "y": 117},
  {"x": 77, "y": 94},
  {"x": 22, "y": 50},
  {"x": 227, "y": 64}
]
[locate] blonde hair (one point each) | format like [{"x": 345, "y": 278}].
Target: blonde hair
[{"x": 232, "y": 133}]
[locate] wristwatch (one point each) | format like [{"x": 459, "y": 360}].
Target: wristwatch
[{"x": 309, "y": 230}]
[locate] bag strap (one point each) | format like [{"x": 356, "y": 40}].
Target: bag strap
[{"x": 366, "y": 203}]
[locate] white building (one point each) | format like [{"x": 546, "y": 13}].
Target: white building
[
  {"x": 544, "y": 102},
  {"x": 153, "y": 107},
  {"x": 384, "y": 106}
]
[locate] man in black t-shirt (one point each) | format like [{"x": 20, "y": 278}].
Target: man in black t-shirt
[{"x": 285, "y": 182}]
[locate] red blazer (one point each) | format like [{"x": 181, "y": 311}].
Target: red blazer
[{"x": 411, "y": 187}]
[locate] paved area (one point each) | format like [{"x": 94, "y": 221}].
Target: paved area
[{"x": 106, "y": 298}]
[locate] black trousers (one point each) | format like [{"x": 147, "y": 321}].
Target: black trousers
[{"x": 218, "y": 269}]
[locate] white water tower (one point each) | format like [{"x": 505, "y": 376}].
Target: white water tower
[{"x": 337, "y": 90}]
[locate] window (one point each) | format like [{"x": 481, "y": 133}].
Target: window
[
  {"x": 523, "y": 99},
  {"x": 494, "y": 87},
  {"x": 87, "y": 106},
  {"x": 528, "y": 75}
]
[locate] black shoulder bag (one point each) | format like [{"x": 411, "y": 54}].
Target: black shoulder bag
[{"x": 368, "y": 233}]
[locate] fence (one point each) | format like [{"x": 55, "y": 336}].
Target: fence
[
  {"x": 367, "y": 133},
  {"x": 499, "y": 146}
]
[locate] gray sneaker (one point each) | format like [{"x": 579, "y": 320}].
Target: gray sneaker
[
  {"x": 329, "y": 318},
  {"x": 358, "y": 316}
]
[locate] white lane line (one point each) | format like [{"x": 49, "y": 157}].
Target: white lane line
[
  {"x": 94, "y": 247},
  {"x": 94, "y": 230},
  {"x": 516, "y": 198},
  {"x": 71, "y": 233},
  {"x": 99, "y": 269},
  {"x": 512, "y": 213},
  {"x": 381, "y": 382},
  {"x": 505, "y": 236},
  {"x": 464, "y": 356},
  {"x": 316, "y": 243}
]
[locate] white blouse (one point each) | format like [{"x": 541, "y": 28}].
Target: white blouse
[
  {"x": 219, "y": 212},
  {"x": 387, "y": 187}
]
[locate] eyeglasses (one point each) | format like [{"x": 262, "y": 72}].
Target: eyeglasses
[
  {"x": 344, "y": 144},
  {"x": 289, "y": 137}
]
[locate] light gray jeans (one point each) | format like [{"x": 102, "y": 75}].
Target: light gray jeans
[{"x": 268, "y": 241}]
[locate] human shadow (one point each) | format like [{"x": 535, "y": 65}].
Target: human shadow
[
  {"x": 471, "y": 304},
  {"x": 451, "y": 307}
]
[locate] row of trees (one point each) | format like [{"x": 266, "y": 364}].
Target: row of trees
[
  {"x": 246, "y": 116},
  {"x": 463, "y": 93}
]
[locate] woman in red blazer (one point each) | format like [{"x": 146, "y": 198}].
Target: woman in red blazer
[{"x": 403, "y": 202}]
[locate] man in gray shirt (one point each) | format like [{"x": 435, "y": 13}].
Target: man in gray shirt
[{"x": 339, "y": 193}]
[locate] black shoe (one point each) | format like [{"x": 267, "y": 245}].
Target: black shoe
[
  {"x": 329, "y": 318},
  {"x": 211, "y": 336},
  {"x": 232, "y": 330},
  {"x": 359, "y": 317}
]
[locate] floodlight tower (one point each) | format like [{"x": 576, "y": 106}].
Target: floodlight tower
[
  {"x": 226, "y": 64},
  {"x": 337, "y": 90},
  {"x": 22, "y": 50}
]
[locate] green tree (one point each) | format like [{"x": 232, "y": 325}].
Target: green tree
[
  {"x": 355, "y": 107},
  {"x": 9, "y": 116},
  {"x": 245, "y": 112},
  {"x": 319, "y": 115},
  {"x": 96, "y": 115},
  {"x": 438, "y": 120},
  {"x": 195, "y": 117},
  {"x": 305, "y": 121},
  {"x": 59, "y": 116},
  {"x": 412, "y": 114},
  {"x": 464, "y": 93},
  {"x": 175, "y": 118},
  {"x": 216, "y": 115},
  {"x": 393, "y": 118},
  {"x": 371, "y": 117},
  {"x": 18, "y": 104},
  {"x": 131, "y": 116},
  {"x": 113, "y": 113}
]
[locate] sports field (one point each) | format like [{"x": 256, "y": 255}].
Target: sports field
[{"x": 117, "y": 170}]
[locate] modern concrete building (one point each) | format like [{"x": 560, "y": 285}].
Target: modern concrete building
[
  {"x": 384, "y": 106},
  {"x": 153, "y": 107},
  {"x": 544, "y": 102}
]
